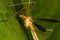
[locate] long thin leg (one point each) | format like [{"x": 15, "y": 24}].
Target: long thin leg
[
  {"x": 32, "y": 7},
  {"x": 7, "y": 20},
  {"x": 22, "y": 8},
  {"x": 48, "y": 34},
  {"x": 20, "y": 3},
  {"x": 15, "y": 14},
  {"x": 28, "y": 7}
]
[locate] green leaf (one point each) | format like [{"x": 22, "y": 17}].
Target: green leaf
[{"x": 14, "y": 30}]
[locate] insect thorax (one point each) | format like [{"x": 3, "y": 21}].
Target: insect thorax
[{"x": 27, "y": 20}]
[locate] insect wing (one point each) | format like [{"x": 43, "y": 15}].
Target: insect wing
[
  {"x": 49, "y": 20},
  {"x": 40, "y": 27}
]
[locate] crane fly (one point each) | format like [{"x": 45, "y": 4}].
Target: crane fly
[{"x": 29, "y": 22}]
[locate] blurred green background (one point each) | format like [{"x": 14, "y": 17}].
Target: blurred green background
[{"x": 13, "y": 30}]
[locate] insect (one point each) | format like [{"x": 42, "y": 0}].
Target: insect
[{"x": 29, "y": 22}]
